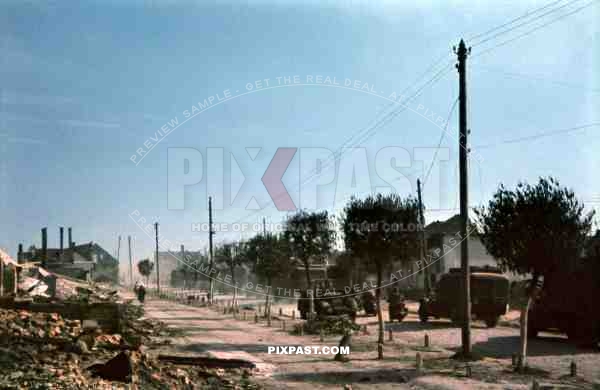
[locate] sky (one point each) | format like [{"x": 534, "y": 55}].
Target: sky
[{"x": 85, "y": 85}]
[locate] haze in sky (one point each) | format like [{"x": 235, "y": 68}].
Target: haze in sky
[{"x": 86, "y": 85}]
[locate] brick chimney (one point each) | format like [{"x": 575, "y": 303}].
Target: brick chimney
[
  {"x": 44, "y": 246},
  {"x": 62, "y": 239},
  {"x": 70, "y": 231}
]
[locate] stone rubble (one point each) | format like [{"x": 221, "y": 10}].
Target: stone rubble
[{"x": 46, "y": 351}]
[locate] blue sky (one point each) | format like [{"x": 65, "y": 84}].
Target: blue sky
[{"x": 85, "y": 84}]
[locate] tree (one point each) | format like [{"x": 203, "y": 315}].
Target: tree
[
  {"x": 376, "y": 230},
  {"x": 534, "y": 230},
  {"x": 230, "y": 256},
  {"x": 310, "y": 238},
  {"x": 268, "y": 255},
  {"x": 145, "y": 268}
]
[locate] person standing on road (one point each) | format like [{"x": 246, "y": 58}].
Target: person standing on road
[{"x": 141, "y": 292}]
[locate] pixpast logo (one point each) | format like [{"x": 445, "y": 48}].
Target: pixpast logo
[{"x": 317, "y": 185}]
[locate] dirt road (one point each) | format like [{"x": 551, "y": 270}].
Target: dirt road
[{"x": 207, "y": 331}]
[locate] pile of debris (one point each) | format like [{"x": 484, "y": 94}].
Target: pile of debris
[{"x": 47, "y": 351}]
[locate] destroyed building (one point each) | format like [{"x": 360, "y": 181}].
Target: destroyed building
[{"x": 85, "y": 261}]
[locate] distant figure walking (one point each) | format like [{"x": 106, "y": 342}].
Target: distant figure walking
[{"x": 140, "y": 290}]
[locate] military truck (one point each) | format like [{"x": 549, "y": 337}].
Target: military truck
[
  {"x": 327, "y": 305},
  {"x": 489, "y": 296},
  {"x": 368, "y": 303},
  {"x": 568, "y": 304},
  {"x": 396, "y": 306}
]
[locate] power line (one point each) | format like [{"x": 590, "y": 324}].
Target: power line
[
  {"x": 523, "y": 24},
  {"x": 534, "y": 29},
  {"x": 440, "y": 142},
  {"x": 390, "y": 115},
  {"x": 528, "y": 13},
  {"x": 371, "y": 129},
  {"x": 539, "y": 135}
]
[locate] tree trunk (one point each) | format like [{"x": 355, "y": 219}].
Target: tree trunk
[
  {"x": 268, "y": 302},
  {"x": 311, "y": 301},
  {"x": 234, "y": 289},
  {"x": 380, "y": 339},
  {"x": 522, "y": 361},
  {"x": 533, "y": 290}
]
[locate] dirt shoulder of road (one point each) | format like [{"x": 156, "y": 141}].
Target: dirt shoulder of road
[{"x": 209, "y": 332}]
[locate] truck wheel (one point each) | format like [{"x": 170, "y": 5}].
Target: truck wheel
[{"x": 492, "y": 322}]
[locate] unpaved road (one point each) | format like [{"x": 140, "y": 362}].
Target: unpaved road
[{"x": 207, "y": 331}]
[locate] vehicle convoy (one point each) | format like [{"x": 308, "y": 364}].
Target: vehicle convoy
[
  {"x": 397, "y": 307},
  {"x": 369, "y": 303},
  {"x": 489, "y": 296},
  {"x": 568, "y": 304},
  {"x": 328, "y": 304}
]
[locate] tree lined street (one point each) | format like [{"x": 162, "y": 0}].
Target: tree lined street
[{"x": 208, "y": 331}]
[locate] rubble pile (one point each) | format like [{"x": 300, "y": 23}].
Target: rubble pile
[{"x": 47, "y": 351}]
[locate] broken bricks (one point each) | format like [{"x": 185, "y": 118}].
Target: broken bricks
[{"x": 116, "y": 369}]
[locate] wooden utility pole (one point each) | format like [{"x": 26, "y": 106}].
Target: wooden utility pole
[
  {"x": 267, "y": 301},
  {"x": 462, "y": 53},
  {"x": 130, "y": 262},
  {"x": 44, "y": 246},
  {"x": 157, "y": 266},
  {"x": 118, "y": 248},
  {"x": 210, "y": 249},
  {"x": 234, "y": 254},
  {"x": 423, "y": 244}
]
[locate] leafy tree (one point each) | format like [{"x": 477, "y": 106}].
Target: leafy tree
[
  {"x": 145, "y": 268},
  {"x": 534, "y": 230},
  {"x": 375, "y": 231},
  {"x": 310, "y": 238},
  {"x": 230, "y": 256},
  {"x": 268, "y": 255}
]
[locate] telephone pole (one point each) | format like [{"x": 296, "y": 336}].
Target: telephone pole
[
  {"x": 462, "y": 53},
  {"x": 118, "y": 248},
  {"x": 422, "y": 239},
  {"x": 130, "y": 262},
  {"x": 157, "y": 267},
  {"x": 210, "y": 248}
]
